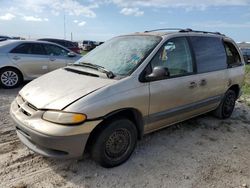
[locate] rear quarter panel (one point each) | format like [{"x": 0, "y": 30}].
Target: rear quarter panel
[
  {"x": 236, "y": 75},
  {"x": 4, "y": 60}
]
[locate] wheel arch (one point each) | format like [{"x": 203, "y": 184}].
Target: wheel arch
[
  {"x": 12, "y": 67},
  {"x": 236, "y": 89},
  {"x": 132, "y": 114}
]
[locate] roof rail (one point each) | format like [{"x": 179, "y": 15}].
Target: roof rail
[
  {"x": 164, "y": 29},
  {"x": 197, "y": 31},
  {"x": 184, "y": 30}
]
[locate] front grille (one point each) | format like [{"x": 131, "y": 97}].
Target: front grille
[
  {"x": 32, "y": 106},
  {"x": 25, "y": 112},
  {"x": 25, "y": 107}
]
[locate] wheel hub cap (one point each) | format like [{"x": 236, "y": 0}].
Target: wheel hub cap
[
  {"x": 9, "y": 78},
  {"x": 118, "y": 143}
]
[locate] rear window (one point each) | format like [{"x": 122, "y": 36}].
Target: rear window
[
  {"x": 209, "y": 53},
  {"x": 233, "y": 56}
]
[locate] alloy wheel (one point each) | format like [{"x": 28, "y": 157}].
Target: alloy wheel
[{"x": 9, "y": 78}]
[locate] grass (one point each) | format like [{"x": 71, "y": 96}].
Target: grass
[
  {"x": 83, "y": 52},
  {"x": 246, "y": 85}
]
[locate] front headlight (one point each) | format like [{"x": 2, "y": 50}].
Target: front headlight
[{"x": 65, "y": 118}]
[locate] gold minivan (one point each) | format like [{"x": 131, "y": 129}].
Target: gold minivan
[{"x": 129, "y": 86}]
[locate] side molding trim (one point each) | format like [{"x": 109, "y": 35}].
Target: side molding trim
[{"x": 182, "y": 109}]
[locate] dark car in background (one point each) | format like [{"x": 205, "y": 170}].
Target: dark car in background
[
  {"x": 3, "y": 38},
  {"x": 73, "y": 46},
  {"x": 246, "y": 55}
]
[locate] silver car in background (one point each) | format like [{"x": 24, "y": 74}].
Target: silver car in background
[{"x": 26, "y": 60}]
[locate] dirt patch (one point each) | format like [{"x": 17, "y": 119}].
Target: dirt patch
[{"x": 201, "y": 152}]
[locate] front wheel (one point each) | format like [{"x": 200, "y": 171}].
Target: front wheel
[
  {"x": 10, "y": 78},
  {"x": 226, "y": 106},
  {"x": 115, "y": 143}
]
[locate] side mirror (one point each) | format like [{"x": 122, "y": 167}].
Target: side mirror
[
  {"x": 158, "y": 74},
  {"x": 71, "y": 54}
]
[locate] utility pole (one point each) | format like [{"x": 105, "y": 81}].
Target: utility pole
[
  {"x": 71, "y": 36},
  {"x": 64, "y": 25}
]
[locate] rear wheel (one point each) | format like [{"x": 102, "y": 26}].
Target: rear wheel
[
  {"x": 227, "y": 105},
  {"x": 115, "y": 143},
  {"x": 10, "y": 78}
]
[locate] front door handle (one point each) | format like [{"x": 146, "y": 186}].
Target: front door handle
[
  {"x": 192, "y": 85},
  {"x": 203, "y": 82}
]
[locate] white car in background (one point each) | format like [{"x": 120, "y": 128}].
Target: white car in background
[{"x": 22, "y": 60}]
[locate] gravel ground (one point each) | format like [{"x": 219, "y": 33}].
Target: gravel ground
[{"x": 201, "y": 152}]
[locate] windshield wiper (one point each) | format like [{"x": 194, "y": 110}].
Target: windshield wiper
[{"x": 109, "y": 73}]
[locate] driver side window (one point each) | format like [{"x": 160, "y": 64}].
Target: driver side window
[{"x": 175, "y": 55}]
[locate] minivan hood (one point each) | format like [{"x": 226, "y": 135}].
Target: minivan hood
[{"x": 60, "y": 88}]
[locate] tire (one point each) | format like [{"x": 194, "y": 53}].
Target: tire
[
  {"x": 10, "y": 78},
  {"x": 226, "y": 106},
  {"x": 114, "y": 143}
]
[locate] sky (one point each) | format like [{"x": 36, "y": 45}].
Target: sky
[{"x": 101, "y": 20}]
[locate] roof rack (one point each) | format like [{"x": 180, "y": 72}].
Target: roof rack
[
  {"x": 164, "y": 29},
  {"x": 185, "y": 30},
  {"x": 197, "y": 31}
]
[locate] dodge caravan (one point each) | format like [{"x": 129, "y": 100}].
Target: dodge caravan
[{"x": 129, "y": 86}]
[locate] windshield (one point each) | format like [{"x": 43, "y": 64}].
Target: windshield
[{"x": 121, "y": 55}]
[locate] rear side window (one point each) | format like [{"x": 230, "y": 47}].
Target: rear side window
[
  {"x": 29, "y": 48},
  {"x": 22, "y": 49},
  {"x": 209, "y": 53},
  {"x": 233, "y": 56}
]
